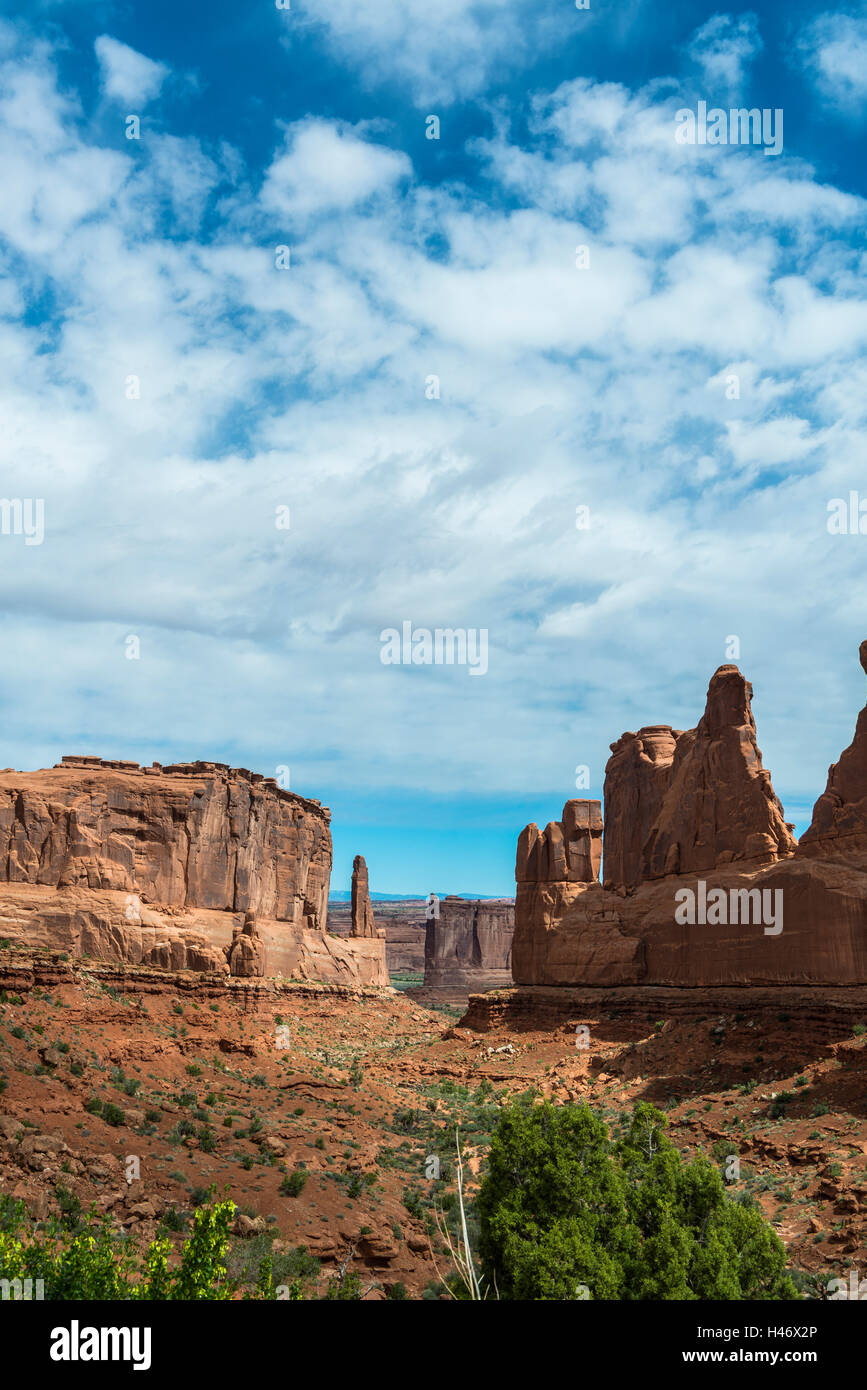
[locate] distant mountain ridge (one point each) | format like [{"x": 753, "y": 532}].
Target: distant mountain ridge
[{"x": 343, "y": 895}]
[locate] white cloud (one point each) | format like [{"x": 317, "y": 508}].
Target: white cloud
[
  {"x": 723, "y": 49},
  {"x": 127, "y": 77},
  {"x": 559, "y": 387},
  {"x": 446, "y": 51},
  {"x": 833, "y": 50},
  {"x": 327, "y": 167}
]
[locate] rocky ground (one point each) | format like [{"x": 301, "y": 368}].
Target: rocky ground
[{"x": 318, "y": 1110}]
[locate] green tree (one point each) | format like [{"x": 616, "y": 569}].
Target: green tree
[{"x": 567, "y": 1212}]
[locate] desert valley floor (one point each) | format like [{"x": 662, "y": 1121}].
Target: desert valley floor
[{"x": 242, "y": 1085}]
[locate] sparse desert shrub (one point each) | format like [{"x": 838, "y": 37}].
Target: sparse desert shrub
[
  {"x": 293, "y": 1183},
  {"x": 412, "y": 1200},
  {"x": 346, "y": 1287}
]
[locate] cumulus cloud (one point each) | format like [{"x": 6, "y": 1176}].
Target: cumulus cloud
[
  {"x": 444, "y": 52},
  {"x": 327, "y": 167},
  {"x": 833, "y": 50},
  {"x": 168, "y": 389},
  {"x": 127, "y": 77},
  {"x": 723, "y": 49}
]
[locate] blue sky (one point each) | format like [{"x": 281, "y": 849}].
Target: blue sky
[{"x": 152, "y": 261}]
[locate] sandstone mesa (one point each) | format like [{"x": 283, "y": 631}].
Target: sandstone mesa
[{"x": 161, "y": 866}]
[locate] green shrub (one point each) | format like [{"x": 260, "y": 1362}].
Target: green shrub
[
  {"x": 563, "y": 1208},
  {"x": 293, "y": 1183},
  {"x": 92, "y": 1266}
]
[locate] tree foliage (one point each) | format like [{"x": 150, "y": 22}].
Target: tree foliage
[
  {"x": 568, "y": 1212},
  {"x": 91, "y": 1265}
]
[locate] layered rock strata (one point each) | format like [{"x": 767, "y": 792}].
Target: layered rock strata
[{"x": 159, "y": 865}]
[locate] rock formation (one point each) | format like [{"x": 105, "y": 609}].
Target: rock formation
[
  {"x": 188, "y": 835},
  {"x": 567, "y": 851},
  {"x": 703, "y": 882},
  {"x": 838, "y": 830},
  {"x": 637, "y": 777},
  {"x": 246, "y": 955},
  {"x": 362, "y": 910},
  {"x": 468, "y": 946},
  {"x": 719, "y": 805},
  {"x": 403, "y": 922},
  {"x": 155, "y": 865}
]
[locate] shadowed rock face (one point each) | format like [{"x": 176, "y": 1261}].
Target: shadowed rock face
[
  {"x": 469, "y": 945},
  {"x": 696, "y": 811},
  {"x": 362, "y": 910},
  {"x": 838, "y": 830}
]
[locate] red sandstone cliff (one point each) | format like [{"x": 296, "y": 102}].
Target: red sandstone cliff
[
  {"x": 719, "y": 805},
  {"x": 188, "y": 835},
  {"x": 838, "y": 830},
  {"x": 468, "y": 946},
  {"x": 158, "y": 865},
  {"x": 637, "y": 777},
  {"x": 696, "y": 811}
]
